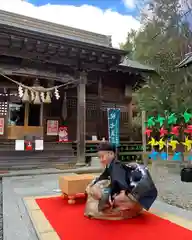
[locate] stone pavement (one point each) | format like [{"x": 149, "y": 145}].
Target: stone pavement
[{"x": 17, "y": 224}]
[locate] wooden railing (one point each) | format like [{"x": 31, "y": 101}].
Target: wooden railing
[{"x": 127, "y": 151}]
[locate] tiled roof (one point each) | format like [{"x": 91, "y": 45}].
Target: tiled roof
[
  {"x": 57, "y": 30},
  {"x": 24, "y": 22},
  {"x": 135, "y": 65}
]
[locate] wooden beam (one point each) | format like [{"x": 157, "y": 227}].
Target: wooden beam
[
  {"x": 45, "y": 58},
  {"x": 33, "y": 72},
  {"x": 81, "y": 118},
  {"x": 21, "y": 43}
]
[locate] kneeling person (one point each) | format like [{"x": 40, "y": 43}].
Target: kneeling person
[{"x": 119, "y": 192}]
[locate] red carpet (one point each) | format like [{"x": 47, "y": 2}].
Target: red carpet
[{"x": 70, "y": 224}]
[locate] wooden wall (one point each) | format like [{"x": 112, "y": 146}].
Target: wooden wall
[{"x": 111, "y": 96}]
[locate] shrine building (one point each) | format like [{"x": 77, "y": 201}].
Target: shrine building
[{"x": 53, "y": 75}]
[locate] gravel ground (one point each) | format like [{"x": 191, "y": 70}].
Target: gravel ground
[{"x": 171, "y": 189}]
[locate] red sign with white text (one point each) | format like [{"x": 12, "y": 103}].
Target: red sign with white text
[
  {"x": 2, "y": 126},
  {"x": 52, "y": 127}
]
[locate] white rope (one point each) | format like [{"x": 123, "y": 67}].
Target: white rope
[{"x": 38, "y": 90}]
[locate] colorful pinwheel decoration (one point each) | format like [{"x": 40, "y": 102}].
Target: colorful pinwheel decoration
[
  {"x": 152, "y": 142},
  {"x": 153, "y": 155},
  {"x": 163, "y": 132},
  {"x": 175, "y": 130},
  {"x": 151, "y": 122},
  {"x": 177, "y": 156},
  {"x": 172, "y": 119},
  {"x": 188, "y": 130},
  {"x": 187, "y": 144},
  {"x": 160, "y": 120},
  {"x": 148, "y": 132},
  {"x": 161, "y": 144},
  {"x": 173, "y": 144},
  {"x": 164, "y": 156},
  {"x": 187, "y": 116}
]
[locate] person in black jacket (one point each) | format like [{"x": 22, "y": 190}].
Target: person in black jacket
[{"x": 128, "y": 188}]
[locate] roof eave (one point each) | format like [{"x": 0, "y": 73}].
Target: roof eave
[
  {"x": 132, "y": 69},
  {"x": 50, "y": 37},
  {"x": 128, "y": 63}
]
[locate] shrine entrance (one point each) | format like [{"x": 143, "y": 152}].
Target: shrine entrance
[{"x": 34, "y": 115}]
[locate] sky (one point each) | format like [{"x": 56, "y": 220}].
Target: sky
[{"x": 109, "y": 17}]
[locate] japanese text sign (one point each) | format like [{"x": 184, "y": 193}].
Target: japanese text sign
[{"x": 113, "y": 125}]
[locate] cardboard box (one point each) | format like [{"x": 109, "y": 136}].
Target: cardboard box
[{"x": 74, "y": 184}]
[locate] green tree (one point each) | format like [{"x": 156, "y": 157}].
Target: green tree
[{"x": 161, "y": 42}]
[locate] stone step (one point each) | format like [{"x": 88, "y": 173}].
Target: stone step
[
  {"x": 7, "y": 146},
  {"x": 50, "y": 152},
  {"x": 29, "y": 163},
  {"x": 52, "y": 155}
]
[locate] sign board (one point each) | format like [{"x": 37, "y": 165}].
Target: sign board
[
  {"x": 52, "y": 127},
  {"x": 113, "y": 125},
  {"x": 39, "y": 145},
  {"x": 63, "y": 134},
  {"x": 19, "y": 145},
  {"x": 94, "y": 138},
  {"x": 2, "y": 126}
]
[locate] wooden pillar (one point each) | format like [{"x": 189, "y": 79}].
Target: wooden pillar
[
  {"x": 128, "y": 96},
  {"x": 41, "y": 114},
  {"x": 81, "y": 119},
  {"x": 130, "y": 113},
  {"x": 99, "y": 106},
  {"x": 26, "y": 115},
  {"x": 144, "y": 144}
]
